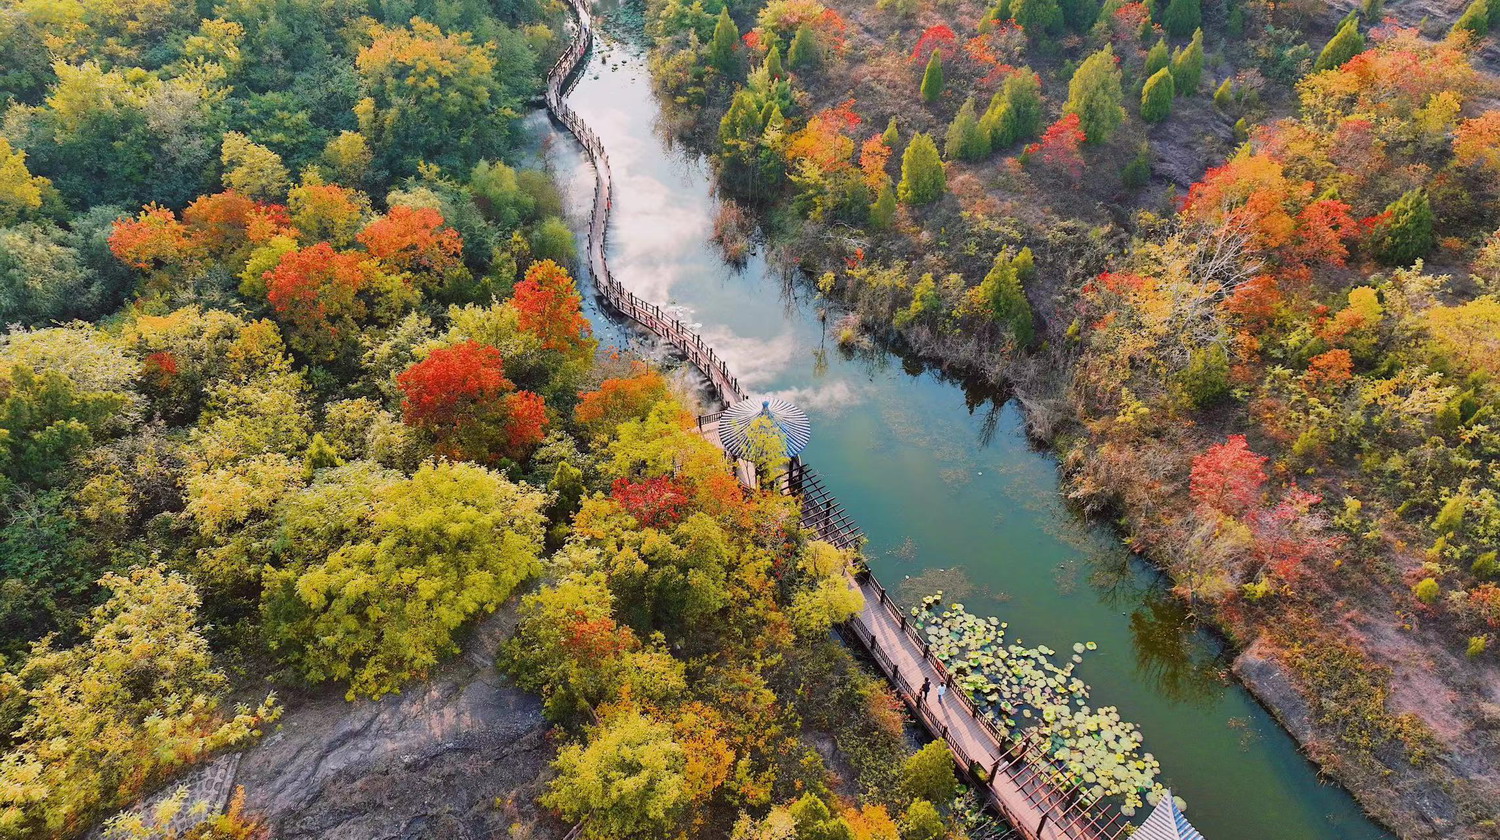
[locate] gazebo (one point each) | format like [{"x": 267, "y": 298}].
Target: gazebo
[
  {"x": 1166, "y": 823},
  {"x": 774, "y": 422}
]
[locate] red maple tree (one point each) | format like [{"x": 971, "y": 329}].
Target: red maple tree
[
  {"x": 549, "y": 307},
  {"x": 654, "y": 502},
  {"x": 1061, "y": 146},
  {"x": 315, "y": 291},
  {"x": 414, "y": 239},
  {"x": 461, "y": 395},
  {"x": 1228, "y": 477}
]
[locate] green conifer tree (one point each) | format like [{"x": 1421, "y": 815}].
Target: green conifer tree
[
  {"x": 1079, "y": 15},
  {"x": 932, "y": 77},
  {"x": 1475, "y": 20},
  {"x": 803, "y": 54},
  {"x": 891, "y": 136},
  {"x": 1182, "y": 17},
  {"x": 1224, "y": 96},
  {"x": 1187, "y": 66},
  {"x": 1007, "y": 299},
  {"x": 923, "y": 179},
  {"x": 1038, "y": 18},
  {"x": 1344, "y": 45},
  {"x": 1094, "y": 94},
  {"x": 1157, "y": 58},
  {"x": 721, "y": 50},
  {"x": 1156, "y": 97},
  {"x": 1407, "y": 235},
  {"x": 966, "y": 139},
  {"x": 773, "y": 62}
]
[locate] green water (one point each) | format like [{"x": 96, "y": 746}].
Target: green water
[{"x": 944, "y": 483}]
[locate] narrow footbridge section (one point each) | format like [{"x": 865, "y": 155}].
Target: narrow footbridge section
[{"x": 1015, "y": 775}]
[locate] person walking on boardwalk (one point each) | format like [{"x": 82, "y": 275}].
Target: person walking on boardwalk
[
  {"x": 926, "y": 687},
  {"x": 942, "y": 689}
]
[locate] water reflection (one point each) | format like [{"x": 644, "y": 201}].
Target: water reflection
[{"x": 1170, "y": 653}]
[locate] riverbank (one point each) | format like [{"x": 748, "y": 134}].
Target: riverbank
[
  {"x": 965, "y": 515},
  {"x": 1352, "y": 689}
]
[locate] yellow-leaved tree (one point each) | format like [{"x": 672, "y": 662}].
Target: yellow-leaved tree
[
  {"x": 102, "y": 720},
  {"x": 449, "y": 543}
]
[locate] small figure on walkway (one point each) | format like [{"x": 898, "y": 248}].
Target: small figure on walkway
[
  {"x": 926, "y": 687},
  {"x": 942, "y": 689}
]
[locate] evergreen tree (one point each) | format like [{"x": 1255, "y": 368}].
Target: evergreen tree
[
  {"x": 883, "y": 211},
  {"x": 1475, "y": 19},
  {"x": 923, "y": 180},
  {"x": 1156, "y": 97},
  {"x": 1038, "y": 17},
  {"x": 932, "y": 78},
  {"x": 1494, "y": 21},
  {"x": 1187, "y": 66},
  {"x": 1137, "y": 173},
  {"x": 804, "y": 50},
  {"x": 721, "y": 50},
  {"x": 966, "y": 140},
  {"x": 1094, "y": 94},
  {"x": 1079, "y": 15},
  {"x": 1015, "y": 111},
  {"x": 1407, "y": 235},
  {"x": 1023, "y": 96},
  {"x": 773, "y": 62},
  {"x": 1157, "y": 58},
  {"x": 1182, "y": 17},
  {"x": 1003, "y": 292},
  {"x": 1234, "y": 23},
  {"x": 1001, "y": 11},
  {"x": 891, "y": 136},
  {"x": 1344, "y": 45},
  {"x": 1224, "y": 96}
]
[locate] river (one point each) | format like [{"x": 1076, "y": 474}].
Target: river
[{"x": 942, "y": 479}]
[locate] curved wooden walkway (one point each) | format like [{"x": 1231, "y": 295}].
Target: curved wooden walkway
[{"x": 1016, "y": 776}]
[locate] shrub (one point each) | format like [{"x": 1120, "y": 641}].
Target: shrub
[
  {"x": 1486, "y": 566},
  {"x": 1344, "y": 45},
  {"x": 1407, "y": 233},
  {"x": 1137, "y": 173},
  {"x": 966, "y": 140},
  {"x": 928, "y": 773},
  {"x": 1477, "y": 644},
  {"x": 1224, "y": 96},
  {"x": 1426, "y": 591},
  {"x": 1205, "y": 380}
]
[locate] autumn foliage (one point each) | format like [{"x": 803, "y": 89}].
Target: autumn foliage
[
  {"x": 414, "y": 239},
  {"x": 1228, "y": 477},
  {"x": 316, "y": 292},
  {"x": 620, "y": 399},
  {"x": 654, "y": 502},
  {"x": 549, "y": 307},
  {"x": 1060, "y": 146},
  {"x": 461, "y": 395}
]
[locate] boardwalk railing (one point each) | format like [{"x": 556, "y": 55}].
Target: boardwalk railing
[
  {"x": 1017, "y": 776},
  {"x": 627, "y": 303}
]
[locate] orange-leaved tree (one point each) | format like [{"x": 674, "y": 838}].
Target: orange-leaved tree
[
  {"x": 461, "y": 396},
  {"x": 549, "y": 307}
]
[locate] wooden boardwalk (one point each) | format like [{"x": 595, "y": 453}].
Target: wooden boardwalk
[{"x": 1016, "y": 776}]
